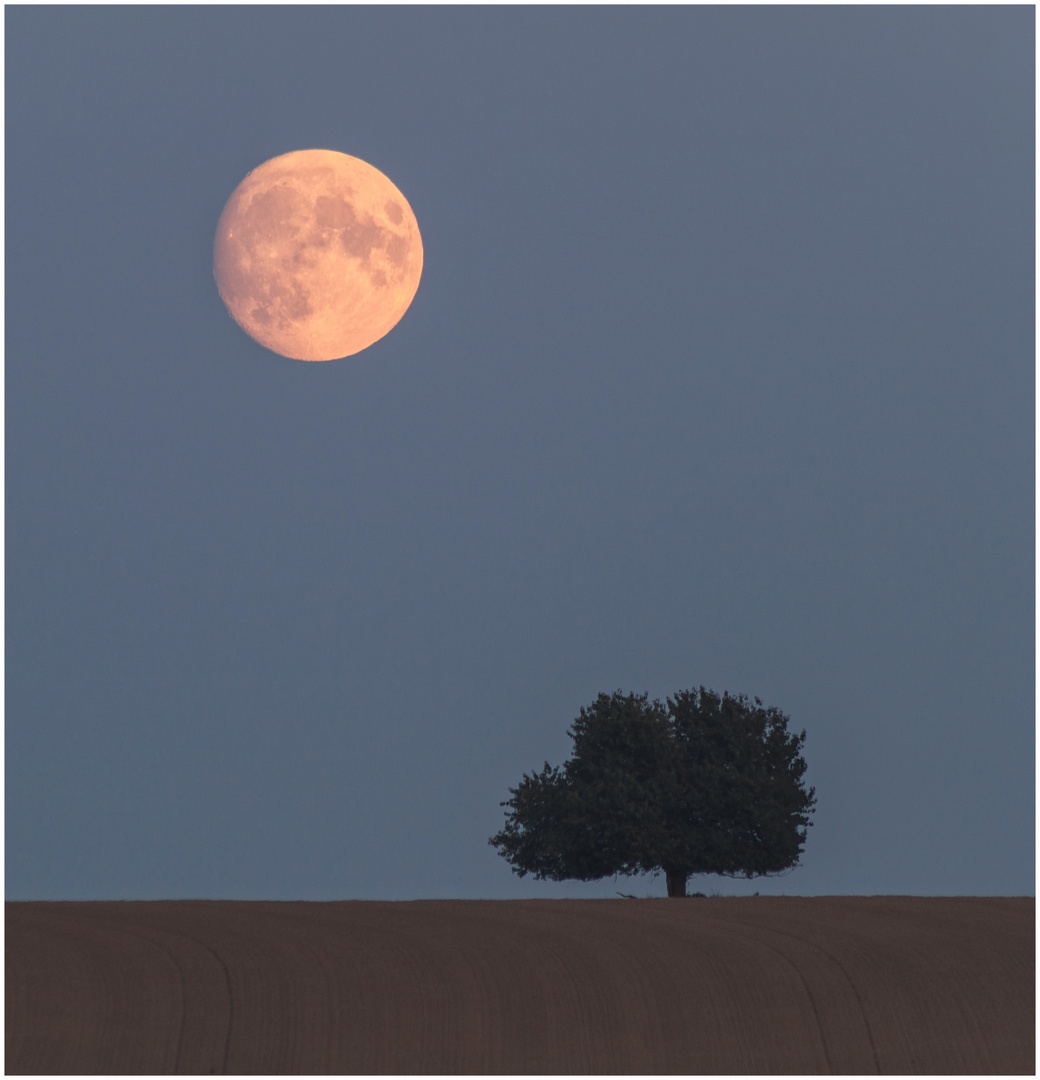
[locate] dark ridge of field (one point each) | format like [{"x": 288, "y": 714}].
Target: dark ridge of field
[{"x": 757, "y": 985}]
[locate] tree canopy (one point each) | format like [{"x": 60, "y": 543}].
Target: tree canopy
[{"x": 701, "y": 784}]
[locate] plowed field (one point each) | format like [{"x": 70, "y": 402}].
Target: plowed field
[{"x": 759, "y": 985}]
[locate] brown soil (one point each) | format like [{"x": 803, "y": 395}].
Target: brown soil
[{"x": 760, "y": 985}]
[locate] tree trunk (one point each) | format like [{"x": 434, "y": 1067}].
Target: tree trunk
[{"x": 676, "y": 882}]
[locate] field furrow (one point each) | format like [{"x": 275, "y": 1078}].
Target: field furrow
[{"x": 757, "y": 985}]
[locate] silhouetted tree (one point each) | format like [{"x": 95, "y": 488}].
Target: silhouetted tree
[{"x": 702, "y": 784}]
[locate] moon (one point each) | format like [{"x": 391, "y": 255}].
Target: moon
[{"x": 317, "y": 255}]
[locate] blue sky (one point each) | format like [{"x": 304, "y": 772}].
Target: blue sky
[{"x": 720, "y": 373}]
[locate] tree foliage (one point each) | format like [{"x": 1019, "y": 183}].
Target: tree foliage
[{"x": 701, "y": 784}]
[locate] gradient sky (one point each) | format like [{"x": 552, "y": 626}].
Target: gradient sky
[{"x": 720, "y": 372}]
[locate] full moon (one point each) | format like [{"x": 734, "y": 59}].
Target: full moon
[{"x": 317, "y": 255}]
